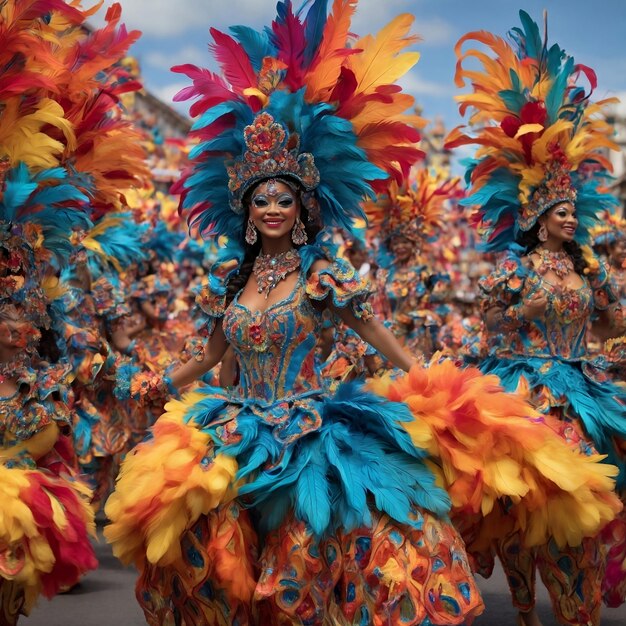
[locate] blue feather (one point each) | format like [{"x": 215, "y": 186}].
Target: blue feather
[
  {"x": 312, "y": 494},
  {"x": 555, "y": 97},
  {"x": 314, "y": 29},
  {"x": 256, "y": 44}
]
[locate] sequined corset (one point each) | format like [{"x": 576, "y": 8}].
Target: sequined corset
[
  {"x": 561, "y": 330},
  {"x": 40, "y": 399},
  {"x": 276, "y": 348}
]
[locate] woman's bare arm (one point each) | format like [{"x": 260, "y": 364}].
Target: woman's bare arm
[
  {"x": 379, "y": 337},
  {"x": 193, "y": 369},
  {"x": 37, "y": 446}
]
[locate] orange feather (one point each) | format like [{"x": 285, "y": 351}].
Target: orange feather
[{"x": 326, "y": 65}]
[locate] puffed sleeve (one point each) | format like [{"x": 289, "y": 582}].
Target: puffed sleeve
[
  {"x": 43, "y": 400},
  {"x": 605, "y": 291},
  {"x": 502, "y": 289},
  {"x": 211, "y": 307},
  {"x": 342, "y": 283}
]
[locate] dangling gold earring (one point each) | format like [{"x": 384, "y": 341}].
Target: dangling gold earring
[
  {"x": 298, "y": 234},
  {"x": 542, "y": 235},
  {"x": 251, "y": 232}
]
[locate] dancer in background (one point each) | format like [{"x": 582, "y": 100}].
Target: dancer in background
[
  {"x": 609, "y": 242},
  {"x": 536, "y": 197},
  {"x": 407, "y": 292},
  {"x": 65, "y": 159}
]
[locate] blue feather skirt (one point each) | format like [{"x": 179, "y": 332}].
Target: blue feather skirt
[
  {"x": 337, "y": 519},
  {"x": 327, "y": 457},
  {"x": 577, "y": 392}
]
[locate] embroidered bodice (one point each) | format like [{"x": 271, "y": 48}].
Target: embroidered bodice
[
  {"x": 561, "y": 331},
  {"x": 409, "y": 295},
  {"x": 41, "y": 398},
  {"x": 276, "y": 349}
]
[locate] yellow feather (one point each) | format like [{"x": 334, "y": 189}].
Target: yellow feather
[
  {"x": 381, "y": 63},
  {"x": 525, "y": 129},
  {"x": 22, "y": 138}
]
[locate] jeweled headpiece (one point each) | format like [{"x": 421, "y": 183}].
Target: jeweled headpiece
[
  {"x": 556, "y": 187},
  {"x": 302, "y": 100},
  {"x": 537, "y": 132},
  {"x": 270, "y": 152}
]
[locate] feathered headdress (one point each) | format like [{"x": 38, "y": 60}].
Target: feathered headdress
[
  {"x": 541, "y": 139},
  {"x": 64, "y": 153},
  {"x": 298, "y": 100},
  {"x": 37, "y": 213},
  {"x": 610, "y": 229},
  {"x": 415, "y": 210},
  {"x": 114, "y": 243}
]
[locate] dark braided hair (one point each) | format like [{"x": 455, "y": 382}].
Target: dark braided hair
[
  {"x": 312, "y": 228},
  {"x": 529, "y": 240}
]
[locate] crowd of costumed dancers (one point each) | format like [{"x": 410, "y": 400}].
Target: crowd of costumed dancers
[{"x": 317, "y": 379}]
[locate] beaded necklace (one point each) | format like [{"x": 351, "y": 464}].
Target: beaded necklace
[
  {"x": 558, "y": 262},
  {"x": 270, "y": 270}
]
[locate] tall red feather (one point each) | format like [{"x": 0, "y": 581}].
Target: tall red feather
[
  {"x": 234, "y": 61},
  {"x": 289, "y": 36},
  {"x": 209, "y": 86}
]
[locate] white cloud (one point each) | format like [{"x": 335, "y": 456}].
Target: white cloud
[
  {"x": 187, "y": 54},
  {"x": 165, "y": 18},
  {"x": 372, "y": 15},
  {"x": 414, "y": 84},
  {"x": 434, "y": 31},
  {"x": 167, "y": 92},
  {"x": 172, "y": 18}
]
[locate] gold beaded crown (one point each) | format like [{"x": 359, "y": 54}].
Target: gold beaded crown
[
  {"x": 556, "y": 187},
  {"x": 270, "y": 153}
]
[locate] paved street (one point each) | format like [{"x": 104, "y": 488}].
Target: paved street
[{"x": 105, "y": 598}]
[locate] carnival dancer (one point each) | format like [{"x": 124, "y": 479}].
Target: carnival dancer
[
  {"x": 46, "y": 521},
  {"x": 277, "y": 501},
  {"x": 60, "y": 167},
  {"x": 344, "y": 354},
  {"x": 92, "y": 319},
  {"x": 409, "y": 289},
  {"x": 609, "y": 242},
  {"x": 289, "y": 174},
  {"x": 531, "y": 183},
  {"x": 50, "y": 102}
]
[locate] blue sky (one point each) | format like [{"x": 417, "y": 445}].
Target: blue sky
[{"x": 594, "y": 32}]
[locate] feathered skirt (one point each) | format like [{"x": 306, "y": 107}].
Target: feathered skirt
[
  {"x": 316, "y": 509},
  {"x": 333, "y": 509},
  {"x": 590, "y": 412},
  {"x": 45, "y": 528}
]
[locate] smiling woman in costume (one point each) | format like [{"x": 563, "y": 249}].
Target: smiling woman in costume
[
  {"x": 276, "y": 512},
  {"x": 277, "y": 501},
  {"x": 536, "y": 183}
]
